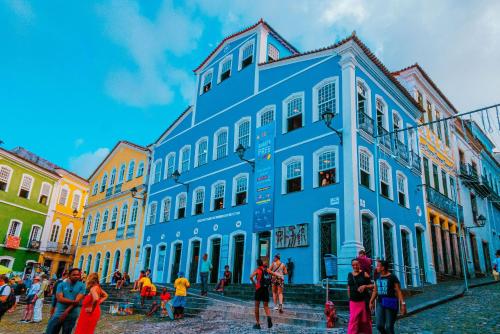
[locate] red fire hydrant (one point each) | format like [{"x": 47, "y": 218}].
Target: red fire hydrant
[{"x": 331, "y": 314}]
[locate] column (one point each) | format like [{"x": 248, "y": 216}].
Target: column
[
  {"x": 439, "y": 245},
  {"x": 456, "y": 253},
  {"x": 446, "y": 235},
  {"x": 352, "y": 226}
]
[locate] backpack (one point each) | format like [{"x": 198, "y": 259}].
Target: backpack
[
  {"x": 265, "y": 279},
  {"x": 7, "y": 305}
]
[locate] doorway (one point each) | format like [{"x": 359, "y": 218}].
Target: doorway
[
  {"x": 405, "y": 240},
  {"x": 239, "y": 247},
  {"x": 177, "y": 261},
  {"x": 147, "y": 258},
  {"x": 367, "y": 226},
  {"x": 195, "y": 258},
  {"x": 126, "y": 260},
  {"x": 215, "y": 259},
  {"x": 160, "y": 264},
  {"x": 264, "y": 246},
  {"x": 105, "y": 267},
  {"x": 388, "y": 246},
  {"x": 420, "y": 254},
  {"x": 60, "y": 268},
  {"x": 328, "y": 239}
]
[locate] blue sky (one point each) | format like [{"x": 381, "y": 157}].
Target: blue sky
[{"x": 77, "y": 76}]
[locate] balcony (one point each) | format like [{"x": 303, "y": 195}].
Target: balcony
[
  {"x": 365, "y": 123},
  {"x": 118, "y": 188},
  {"x": 401, "y": 150},
  {"x": 93, "y": 236},
  {"x": 384, "y": 137},
  {"x": 61, "y": 248},
  {"x": 415, "y": 162},
  {"x": 34, "y": 245},
  {"x": 109, "y": 192},
  {"x": 130, "y": 231},
  {"x": 120, "y": 233},
  {"x": 85, "y": 239},
  {"x": 471, "y": 179},
  {"x": 443, "y": 203}
]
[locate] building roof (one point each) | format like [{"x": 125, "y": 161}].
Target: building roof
[
  {"x": 260, "y": 22},
  {"x": 429, "y": 80},
  {"x": 173, "y": 124},
  {"x": 44, "y": 169}
]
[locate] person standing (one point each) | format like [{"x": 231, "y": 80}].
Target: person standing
[
  {"x": 19, "y": 290},
  {"x": 358, "y": 285},
  {"x": 496, "y": 266},
  {"x": 31, "y": 299},
  {"x": 54, "y": 292},
  {"x": 206, "y": 266},
  {"x": 40, "y": 297},
  {"x": 290, "y": 266},
  {"x": 181, "y": 285},
  {"x": 5, "y": 292},
  {"x": 365, "y": 262},
  {"x": 388, "y": 297},
  {"x": 278, "y": 271},
  {"x": 91, "y": 306},
  {"x": 69, "y": 295},
  {"x": 261, "y": 280}
]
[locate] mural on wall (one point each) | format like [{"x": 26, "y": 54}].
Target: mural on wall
[{"x": 291, "y": 236}]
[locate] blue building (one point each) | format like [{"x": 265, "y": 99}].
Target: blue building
[{"x": 299, "y": 189}]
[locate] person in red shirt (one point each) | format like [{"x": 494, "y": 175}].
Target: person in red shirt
[
  {"x": 365, "y": 262},
  {"x": 261, "y": 279},
  {"x": 164, "y": 300}
]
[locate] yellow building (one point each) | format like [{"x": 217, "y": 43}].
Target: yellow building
[
  {"x": 64, "y": 221},
  {"x": 111, "y": 235}
]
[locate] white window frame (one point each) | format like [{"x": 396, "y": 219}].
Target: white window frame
[
  {"x": 237, "y": 132},
  {"x": 140, "y": 167},
  {"x": 400, "y": 134},
  {"x": 385, "y": 121},
  {"x": 121, "y": 176},
  {"x": 166, "y": 174},
  {"x": 65, "y": 187},
  {"x": 202, "y": 81},
  {"x": 112, "y": 177},
  {"x": 104, "y": 182},
  {"x": 181, "y": 158},
  {"x": 258, "y": 120},
  {"x": 390, "y": 181},
  {"x": 224, "y": 60},
  {"x": 76, "y": 193},
  {"x": 65, "y": 239},
  {"x": 197, "y": 151},
  {"x": 365, "y": 150},
  {"x": 88, "y": 225},
  {"x": 114, "y": 209},
  {"x": 20, "y": 227},
  {"x": 41, "y": 191},
  {"x": 214, "y": 149},
  {"x": 315, "y": 100},
  {"x": 284, "y": 110},
  {"x": 11, "y": 171},
  {"x": 269, "y": 45},
  {"x": 193, "y": 202},
  {"x": 31, "y": 233},
  {"x": 368, "y": 110},
  {"x": 105, "y": 219},
  {"x": 284, "y": 165},
  {"x": 155, "y": 171},
  {"x": 212, "y": 194},
  {"x": 240, "y": 53},
  {"x": 316, "y": 155},
  {"x": 177, "y": 198},
  {"x": 149, "y": 213},
  {"x": 405, "y": 190},
  {"x": 235, "y": 181},
  {"x": 31, "y": 185},
  {"x": 135, "y": 205},
  {"x": 131, "y": 170},
  {"x": 162, "y": 219},
  {"x": 97, "y": 222},
  {"x": 123, "y": 222},
  {"x": 57, "y": 224},
  {"x": 95, "y": 190}
]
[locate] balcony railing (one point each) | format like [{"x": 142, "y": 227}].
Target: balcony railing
[
  {"x": 109, "y": 191},
  {"x": 365, "y": 123},
  {"x": 34, "y": 245},
  {"x": 415, "y": 162},
  {"x": 120, "y": 233},
  {"x": 401, "y": 150},
  {"x": 384, "y": 137},
  {"x": 61, "y": 248},
  {"x": 130, "y": 231},
  {"x": 118, "y": 188},
  {"x": 93, "y": 236},
  {"x": 85, "y": 239},
  {"x": 443, "y": 203}
]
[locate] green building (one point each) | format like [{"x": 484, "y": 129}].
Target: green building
[{"x": 25, "y": 191}]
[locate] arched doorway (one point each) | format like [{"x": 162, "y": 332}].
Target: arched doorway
[
  {"x": 195, "y": 258},
  {"x": 89, "y": 261},
  {"x": 405, "y": 242},
  {"x": 388, "y": 245},
  {"x": 116, "y": 261},
  {"x": 215, "y": 259},
  {"x": 80, "y": 262},
  {"x": 126, "y": 260},
  {"x": 176, "y": 261},
  {"x": 160, "y": 262},
  {"x": 146, "y": 258},
  {"x": 367, "y": 227},
  {"x": 420, "y": 253},
  {"x": 264, "y": 239},
  {"x": 105, "y": 267},
  {"x": 97, "y": 262},
  {"x": 328, "y": 238},
  {"x": 238, "y": 251}
]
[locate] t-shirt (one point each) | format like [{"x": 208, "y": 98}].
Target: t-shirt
[
  {"x": 181, "y": 284},
  {"x": 69, "y": 291},
  {"x": 385, "y": 286},
  {"x": 496, "y": 262},
  {"x": 35, "y": 288},
  {"x": 165, "y": 296},
  {"x": 354, "y": 283},
  {"x": 6, "y": 290},
  {"x": 145, "y": 281},
  {"x": 205, "y": 266}
]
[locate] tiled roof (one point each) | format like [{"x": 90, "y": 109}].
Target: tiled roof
[
  {"x": 29, "y": 161},
  {"x": 261, "y": 21},
  {"x": 426, "y": 76}
]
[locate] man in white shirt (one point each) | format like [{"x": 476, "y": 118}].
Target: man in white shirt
[{"x": 37, "y": 314}]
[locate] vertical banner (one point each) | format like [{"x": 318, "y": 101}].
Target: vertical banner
[{"x": 263, "y": 216}]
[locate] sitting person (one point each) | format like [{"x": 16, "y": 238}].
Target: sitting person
[
  {"x": 137, "y": 286},
  {"x": 154, "y": 308},
  {"x": 119, "y": 282},
  {"x": 165, "y": 302},
  {"x": 226, "y": 279},
  {"x": 117, "y": 276},
  {"x": 148, "y": 289},
  {"x": 126, "y": 279}
]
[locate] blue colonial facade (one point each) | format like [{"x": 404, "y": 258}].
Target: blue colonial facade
[{"x": 298, "y": 190}]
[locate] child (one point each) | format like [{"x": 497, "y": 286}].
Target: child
[
  {"x": 181, "y": 285},
  {"x": 165, "y": 302}
]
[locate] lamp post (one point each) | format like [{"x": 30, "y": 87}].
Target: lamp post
[
  {"x": 75, "y": 213},
  {"x": 175, "y": 176},
  {"x": 142, "y": 196},
  {"x": 240, "y": 150},
  {"x": 328, "y": 117}
]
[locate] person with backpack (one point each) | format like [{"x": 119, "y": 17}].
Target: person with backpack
[
  {"x": 7, "y": 297},
  {"x": 261, "y": 279},
  {"x": 278, "y": 271}
]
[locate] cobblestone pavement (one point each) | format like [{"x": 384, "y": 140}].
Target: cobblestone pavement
[{"x": 476, "y": 312}]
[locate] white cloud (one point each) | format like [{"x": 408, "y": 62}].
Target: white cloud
[
  {"x": 79, "y": 142},
  {"x": 86, "y": 163},
  {"x": 149, "y": 41},
  {"x": 21, "y": 8}
]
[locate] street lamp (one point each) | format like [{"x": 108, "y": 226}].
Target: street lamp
[
  {"x": 142, "y": 196},
  {"x": 328, "y": 116},
  {"x": 240, "y": 150},
  {"x": 75, "y": 213},
  {"x": 175, "y": 176},
  {"x": 480, "y": 221}
]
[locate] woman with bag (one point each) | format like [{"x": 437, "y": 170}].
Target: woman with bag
[
  {"x": 358, "y": 285},
  {"x": 389, "y": 298},
  {"x": 278, "y": 271},
  {"x": 91, "y": 309},
  {"x": 31, "y": 299}
]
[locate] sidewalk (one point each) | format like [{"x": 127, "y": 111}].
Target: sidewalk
[{"x": 437, "y": 294}]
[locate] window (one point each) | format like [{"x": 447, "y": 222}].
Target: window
[
  {"x": 242, "y": 131},
  {"x": 5, "y": 174},
  {"x": 293, "y": 115},
  {"x": 165, "y": 204},
  {"x": 157, "y": 171},
  {"x": 435, "y": 175},
  {"x": 444, "y": 178},
  {"x": 133, "y": 212},
  {"x": 131, "y": 167},
  {"x": 36, "y": 233},
  {"x": 89, "y": 223},
  {"x": 121, "y": 175},
  {"x": 420, "y": 99},
  {"x": 218, "y": 190},
  {"x": 265, "y": 116},
  {"x": 140, "y": 169},
  {"x": 152, "y": 213},
  {"x": 112, "y": 178},
  {"x": 105, "y": 217},
  {"x": 273, "y": 53},
  {"x": 97, "y": 220},
  {"x": 225, "y": 68},
  {"x": 75, "y": 203},
  {"x": 104, "y": 182},
  {"x": 68, "y": 236},
  {"x": 96, "y": 189},
  {"x": 114, "y": 215},
  {"x": 54, "y": 234},
  {"x": 185, "y": 157},
  {"x": 25, "y": 188},
  {"x": 63, "y": 195},
  {"x": 324, "y": 166},
  {"x": 199, "y": 201},
  {"x": 427, "y": 177},
  {"x": 181, "y": 206},
  {"x": 220, "y": 144},
  {"x": 201, "y": 152},
  {"x": 365, "y": 168},
  {"x": 246, "y": 54},
  {"x": 170, "y": 164},
  {"x": 402, "y": 189},
  {"x": 397, "y": 124},
  {"x": 385, "y": 179},
  {"x": 362, "y": 99},
  {"x": 123, "y": 216},
  {"x": 240, "y": 186},
  {"x": 292, "y": 171},
  {"x": 446, "y": 133},
  {"x": 15, "y": 228},
  {"x": 438, "y": 125},
  {"x": 324, "y": 98},
  {"x": 206, "y": 80},
  {"x": 429, "y": 115},
  {"x": 44, "y": 193},
  {"x": 381, "y": 114}
]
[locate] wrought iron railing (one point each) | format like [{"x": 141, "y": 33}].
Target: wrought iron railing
[
  {"x": 93, "y": 236},
  {"x": 444, "y": 203},
  {"x": 384, "y": 137},
  {"x": 61, "y": 248},
  {"x": 120, "y": 232},
  {"x": 109, "y": 191},
  {"x": 130, "y": 231},
  {"x": 85, "y": 239},
  {"x": 415, "y": 162},
  {"x": 118, "y": 188},
  {"x": 365, "y": 123},
  {"x": 401, "y": 150},
  {"x": 34, "y": 245}
]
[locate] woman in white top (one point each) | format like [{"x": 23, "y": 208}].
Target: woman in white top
[{"x": 278, "y": 272}]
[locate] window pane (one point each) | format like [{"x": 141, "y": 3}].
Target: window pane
[
  {"x": 326, "y": 99},
  {"x": 244, "y": 134},
  {"x": 267, "y": 117}
]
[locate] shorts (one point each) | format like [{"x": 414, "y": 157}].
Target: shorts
[
  {"x": 147, "y": 292},
  {"x": 279, "y": 282},
  {"x": 262, "y": 295},
  {"x": 179, "y": 301}
]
